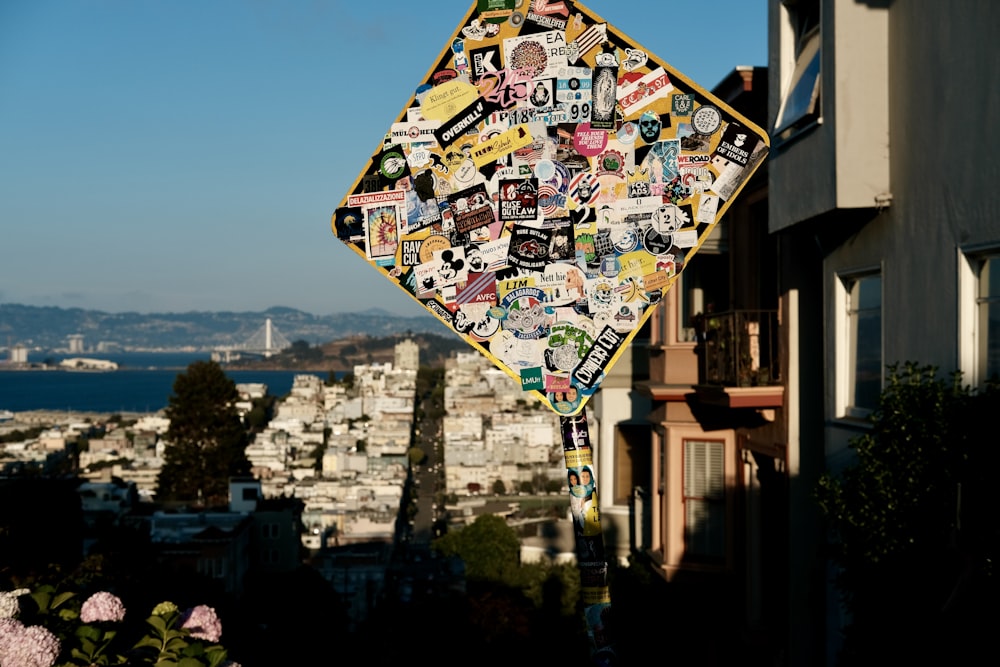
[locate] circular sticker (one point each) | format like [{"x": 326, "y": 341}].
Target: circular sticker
[
  {"x": 589, "y": 142},
  {"x": 565, "y": 401},
  {"x": 625, "y": 238},
  {"x": 656, "y": 243},
  {"x": 544, "y": 170},
  {"x": 485, "y": 327},
  {"x": 432, "y": 244},
  {"x": 706, "y": 119},
  {"x": 584, "y": 189},
  {"x": 628, "y": 133},
  {"x": 393, "y": 164}
]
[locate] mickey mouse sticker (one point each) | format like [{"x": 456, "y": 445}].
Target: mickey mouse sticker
[{"x": 451, "y": 266}]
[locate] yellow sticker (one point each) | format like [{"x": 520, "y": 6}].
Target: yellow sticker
[
  {"x": 500, "y": 145},
  {"x": 431, "y": 245},
  {"x": 655, "y": 280},
  {"x": 636, "y": 264},
  {"x": 578, "y": 458},
  {"x": 442, "y": 102}
]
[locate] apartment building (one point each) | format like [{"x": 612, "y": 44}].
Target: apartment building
[
  {"x": 867, "y": 239},
  {"x": 879, "y": 117}
]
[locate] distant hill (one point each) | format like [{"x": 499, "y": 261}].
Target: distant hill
[
  {"x": 346, "y": 353},
  {"x": 48, "y": 328}
]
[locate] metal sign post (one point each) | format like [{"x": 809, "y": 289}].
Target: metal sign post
[{"x": 588, "y": 536}]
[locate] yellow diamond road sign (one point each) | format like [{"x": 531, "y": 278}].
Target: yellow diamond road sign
[{"x": 545, "y": 185}]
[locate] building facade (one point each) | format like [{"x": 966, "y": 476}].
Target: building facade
[
  {"x": 880, "y": 195},
  {"x": 868, "y": 239}
]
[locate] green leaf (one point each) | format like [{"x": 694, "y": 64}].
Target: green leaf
[
  {"x": 175, "y": 644},
  {"x": 190, "y": 662},
  {"x": 194, "y": 649},
  {"x": 62, "y": 597},
  {"x": 148, "y": 641},
  {"x": 42, "y": 598},
  {"x": 88, "y": 632},
  {"x": 158, "y": 623},
  {"x": 216, "y": 656}
]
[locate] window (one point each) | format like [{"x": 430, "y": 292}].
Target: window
[
  {"x": 800, "y": 101},
  {"x": 979, "y": 306},
  {"x": 632, "y": 460},
  {"x": 703, "y": 286},
  {"x": 704, "y": 500},
  {"x": 212, "y": 567},
  {"x": 861, "y": 364}
]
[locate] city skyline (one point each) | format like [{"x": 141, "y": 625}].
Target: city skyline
[{"x": 188, "y": 156}]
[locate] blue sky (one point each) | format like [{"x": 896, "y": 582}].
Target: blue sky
[{"x": 186, "y": 155}]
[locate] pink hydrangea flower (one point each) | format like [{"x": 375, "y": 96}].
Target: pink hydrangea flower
[
  {"x": 102, "y": 606},
  {"x": 9, "y": 606},
  {"x": 32, "y": 646},
  {"x": 9, "y": 629},
  {"x": 203, "y": 623}
]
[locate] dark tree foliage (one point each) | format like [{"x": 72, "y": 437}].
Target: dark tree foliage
[
  {"x": 913, "y": 523},
  {"x": 301, "y": 350},
  {"x": 488, "y": 546},
  {"x": 207, "y": 440},
  {"x": 41, "y": 528}
]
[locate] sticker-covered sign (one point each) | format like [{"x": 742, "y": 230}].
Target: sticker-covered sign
[{"x": 544, "y": 186}]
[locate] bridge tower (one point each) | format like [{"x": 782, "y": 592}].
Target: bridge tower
[{"x": 268, "y": 340}]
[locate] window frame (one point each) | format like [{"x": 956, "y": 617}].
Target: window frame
[
  {"x": 211, "y": 567},
  {"x": 973, "y": 327},
  {"x": 846, "y": 315},
  {"x": 801, "y": 92},
  {"x": 631, "y": 452},
  {"x": 714, "y": 501},
  {"x": 695, "y": 294}
]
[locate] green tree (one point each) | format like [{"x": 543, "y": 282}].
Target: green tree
[
  {"x": 416, "y": 455},
  {"x": 207, "y": 440},
  {"x": 913, "y": 526},
  {"x": 301, "y": 350},
  {"x": 488, "y": 546},
  {"x": 260, "y": 414},
  {"x": 499, "y": 488}
]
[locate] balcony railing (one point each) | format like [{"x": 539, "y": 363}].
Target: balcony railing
[{"x": 739, "y": 348}]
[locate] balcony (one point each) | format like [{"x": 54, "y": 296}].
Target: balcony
[{"x": 739, "y": 359}]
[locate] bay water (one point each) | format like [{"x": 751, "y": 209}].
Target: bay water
[{"x": 143, "y": 383}]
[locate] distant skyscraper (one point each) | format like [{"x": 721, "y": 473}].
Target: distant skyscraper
[
  {"x": 407, "y": 355},
  {"x": 19, "y": 354},
  {"x": 75, "y": 343}
]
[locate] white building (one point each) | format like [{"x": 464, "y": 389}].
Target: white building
[{"x": 407, "y": 356}]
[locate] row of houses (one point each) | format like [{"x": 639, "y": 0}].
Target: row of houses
[{"x": 492, "y": 434}]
